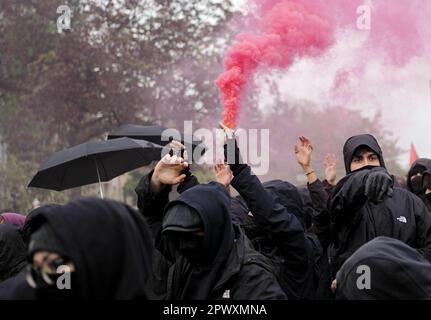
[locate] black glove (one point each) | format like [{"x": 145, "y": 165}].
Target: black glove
[
  {"x": 378, "y": 185},
  {"x": 234, "y": 160}
]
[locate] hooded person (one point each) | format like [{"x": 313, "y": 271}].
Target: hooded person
[
  {"x": 360, "y": 151},
  {"x": 366, "y": 204},
  {"x": 274, "y": 220},
  {"x": 12, "y": 251},
  {"x": 104, "y": 246},
  {"x": 385, "y": 269},
  {"x": 426, "y": 186},
  {"x": 414, "y": 177},
  {"x": 206, "y": 256}
]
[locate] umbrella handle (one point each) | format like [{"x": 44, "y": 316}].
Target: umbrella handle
[{"x": 98, "y": 177}]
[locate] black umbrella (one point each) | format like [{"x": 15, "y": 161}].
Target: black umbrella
[
  {"x": 94, "y": 161},
  {"x": 154, "y": 134}
]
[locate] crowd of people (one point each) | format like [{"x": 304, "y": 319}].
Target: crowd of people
[{"x": 363, "y": 237}]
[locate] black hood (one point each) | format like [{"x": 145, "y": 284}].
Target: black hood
[
  {"x": 109, "y": 243},
  {"x": 212, "y": 202},
  {"x": 288, "y": 196},
  {"x": 397, "y": 272},
  {"x": 241, "y": 217},
  {"x": 12, "y": 251},
  {"x": 423, "y": 162},
  {"x": 361, "y": 140}
]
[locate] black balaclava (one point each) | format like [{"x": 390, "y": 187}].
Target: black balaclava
[
  {"x": 419, "y": 166},
  {"x": 180, "y": 224},
  {"x": 354, "y": 143}
]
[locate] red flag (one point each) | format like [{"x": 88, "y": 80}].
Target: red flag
[{"x": 413, "y": 154}]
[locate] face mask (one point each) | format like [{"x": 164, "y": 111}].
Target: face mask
[
  {"x": 189, "y": 245},
  {"x": 426, "y": 184},
  {"x": 416, "y": 185},
  {"x": 369, "y": 167}
]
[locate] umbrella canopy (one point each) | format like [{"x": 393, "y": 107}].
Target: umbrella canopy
[
  {"x": 94, "y": 161},
  {"x": 155, "y": 134}
]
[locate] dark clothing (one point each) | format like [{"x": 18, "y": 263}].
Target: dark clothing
[
  {"x": 419, "y": 165},
  {"x": 320, "y": 224},
  {"x": 426, "y": 198},
  {"x": 16, "y": 288},
  {"x": 320, "y": 193},
  {"x": 357, "y": 141},
  {"x": 285, "y": 194},
  {"x": 12, "y": 251},
  {"x": 416, "y": 185},
  {"x": 108, "y": 242},
  {"x": 394, "y": 271},
  {"x": 276, "y": 208},
  {"x": 308, "y": 207},
  {"x": 229, "y": 267},
  {"x": 355, "y": 220}
]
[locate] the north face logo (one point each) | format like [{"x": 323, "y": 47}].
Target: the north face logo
[
  {"x": 226, "y": 294},
  {"x": 402, "y": 219}
]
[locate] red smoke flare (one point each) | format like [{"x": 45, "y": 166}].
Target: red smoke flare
[{"x": 288, "y": 31}]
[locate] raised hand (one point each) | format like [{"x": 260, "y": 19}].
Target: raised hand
[
  {"x": 378, "y": 185},
  {"x": 169, "y": 170},
  {"x": 223, "y": 174},
  {"x": 330, "y": 168},
  {"x": 228, "y": 131},
  {"x": 232, "y": 154},
  {"x": 179, "y": 150},
  {"x": 303, "y": 151}
]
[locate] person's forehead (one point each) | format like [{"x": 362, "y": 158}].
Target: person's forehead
[{"x": 364, "y": 151}]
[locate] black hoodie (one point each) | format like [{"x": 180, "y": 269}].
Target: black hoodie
[
  {"x": 351, "y": 220},
  {"x": 276, "y": 231},
  {"x": 426, "y": 183},
  {"x": 12, "y": 251},
  {"x": 229, "y": 267},
  {"x": 109, "y": 243},
  {"x": 354, "y": 143},
  {"x": 423, "y": 162},
  {"x": 356, "y": 220},
  {"x": 395, "y": 271}
]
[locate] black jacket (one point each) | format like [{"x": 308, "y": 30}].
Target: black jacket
[
  {"x": 320, "y": 196},
  {"x": 12, "y": 251},
  {"x": 422, "y": 162},
  {"x": 17, "y": 288},
  {"x": 277, "y": 211},
  {"x": 236, "y": 271},
  {"x": 320, "y": 193},
  {"x": 427, "y": 200},
  {"x": 354, "y": 220}
]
